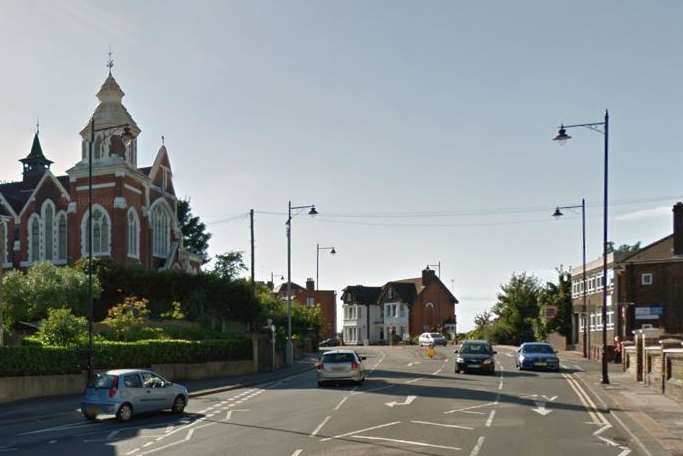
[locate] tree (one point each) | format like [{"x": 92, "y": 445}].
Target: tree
[
  {"x": 229, "y": 265},
  {"x": 558, "y": 296},
  {"x": 623, "y": 248},
  {"x": 62, "y": 327},
  {"x": 516, "y": 310},
  {"x": 128, "y": 317},
  {"x": 195, "y": 236}
]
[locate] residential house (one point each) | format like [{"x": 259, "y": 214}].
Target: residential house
[
  {"x": 309, "y": 296},
  {"x": 363, "y": 322}
]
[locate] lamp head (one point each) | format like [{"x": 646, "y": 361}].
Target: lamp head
[
  {"x": 557, "y": 213},
  {"x": 562, "y": 136},
  {"x": 313, "y": 212},
  {"x": 333, "y": 251}
]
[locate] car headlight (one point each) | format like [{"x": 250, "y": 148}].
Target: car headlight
[
  {"x": 487, "y": 361},
  {"x": 521, "y": 358},
  {"x": 459, "y": 360}
]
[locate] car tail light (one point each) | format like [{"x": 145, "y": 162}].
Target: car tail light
[
  {"x": 114, "y": 386},
  {"x": 319, "y": 365},
  {"x": 354, "y": 365}
]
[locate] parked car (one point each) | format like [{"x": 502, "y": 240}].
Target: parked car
[
  {"x": 340, "y": 366},
  {"x": 331, "y": 342},
  {"x": 125, "y": 392},
  {"x": 427, "y": 339},
  {"x": 537, "y": 355},
  {"x": 475, "y": 355}
]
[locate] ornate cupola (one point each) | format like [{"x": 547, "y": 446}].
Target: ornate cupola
[
  {"x": 115, "y": 130},
  {"x": 35, "y": 164}
]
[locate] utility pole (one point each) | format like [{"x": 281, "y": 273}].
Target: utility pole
[{"x": 253, "y": 265}]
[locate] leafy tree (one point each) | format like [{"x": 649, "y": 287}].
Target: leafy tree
[
  {"x": 517, "y": 310},
  {"x": 62, "y": 327},
  {"x": 128, "y": 317},
  {"x": 623, "y": 248},
  {"x": 175, "y": 312},
  {"x": 229, "y": 265},
  {"x": 45, "y": 286},
  {"x": 305, "y": 319},
  {"x": 195, "y": 236},
  {"x": 558, "y": 296}
]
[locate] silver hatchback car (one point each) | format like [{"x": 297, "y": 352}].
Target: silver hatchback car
[
  {"x": 340, "y": 365},
  {"x": 125, "y": 392}
]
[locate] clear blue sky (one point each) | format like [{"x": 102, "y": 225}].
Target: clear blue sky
[{"x": 373, "y": 108}]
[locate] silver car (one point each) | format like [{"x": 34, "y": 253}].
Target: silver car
[
  {"x": 125, "y": 392},
  {"x": 340, "y": 365}
]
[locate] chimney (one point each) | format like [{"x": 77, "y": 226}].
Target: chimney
[
  {"x": 678, "y": 229},
  {"x": 428, "y": 276},
  {"x": 310, "y": 284}
]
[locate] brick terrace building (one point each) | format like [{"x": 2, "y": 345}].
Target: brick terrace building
[
  {"x": 44, "y": 217},
  {"x": 309, "y": 296}
]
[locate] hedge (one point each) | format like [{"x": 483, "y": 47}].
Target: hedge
[{"x": 44, "y": 360}]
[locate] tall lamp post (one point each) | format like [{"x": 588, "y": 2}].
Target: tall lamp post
[
  {"x": 127, "y": 137},
  {"x": 311, "y": 212},
  {"x": 558, "y": 213},
  {"x": 562, "y": 137},
  {"x": 332, "y": 250}
]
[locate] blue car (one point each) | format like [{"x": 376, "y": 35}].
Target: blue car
[
  {"x": 537, "y": 355},
  {"x": 125, "y": 392}
]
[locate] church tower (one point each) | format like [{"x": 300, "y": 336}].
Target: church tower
[
  {"x": 115, "y": 136},
  {"x": 35, "y": 164}
]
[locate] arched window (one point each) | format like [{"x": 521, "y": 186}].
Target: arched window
[
  {"x": 3, "y": 244},
  {"x": 34, "y": 238},
  {"x": 48, "y": 212},
  {"x": 161, "y": 230},
  {"x": 61, "y": 236},
  {"x": 101, "y": 232},
  {"x": 133, "y": 234}
]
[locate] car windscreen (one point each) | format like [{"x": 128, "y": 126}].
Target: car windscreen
[
  {"x": 475, "y": 349},
  {"x": 537, "y": 348},
  {"x": 101, "y": 381},
  {"x": 339, "y": 358}
]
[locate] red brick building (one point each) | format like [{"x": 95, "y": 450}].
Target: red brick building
[
  {"x": 309, "y": 296},
  {"x": 44, "y": 217}
]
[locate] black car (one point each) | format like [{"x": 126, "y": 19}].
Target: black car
[
  {"x": 331, "y": 342},
  {"x": 475, "y": 355}
]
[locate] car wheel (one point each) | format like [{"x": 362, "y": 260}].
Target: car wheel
[
  {"x": 125, "y": 413},
  {"x": 321, "y": 384},
  {"x": 90, "y": 416},
  {"x": 178, "y": 404}
]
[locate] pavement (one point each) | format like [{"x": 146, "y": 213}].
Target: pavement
[{"x": 409, "y": 405}]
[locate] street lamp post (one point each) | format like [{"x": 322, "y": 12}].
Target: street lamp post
[
  {"x": 332, "y": 250},
  {"x": 126, "y": 138},
  {"x": 562, "y": 137},
  {"x": 558, "y": 213},
  {"x": 311, "y": 212}
]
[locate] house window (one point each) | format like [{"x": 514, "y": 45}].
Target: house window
[
  {"x": 101, "y": 232},
  {"x": 390, "y": 294},
  {"x": 646, "y": 278},
  {"x": 402, "y": 311},
  {"x": 3, "y": 244},
  {"x": 161, "y": 227},
  {"x": 387, "y": 310},
  {"x": 34, "y": 238},
  {"x": 310, "y": 301},
  {"x": 610, "y": 320},
  {"x": 133, "y": 234},
  {"x": 61, "y": 237},
  {"x": 48, "y": 230}
]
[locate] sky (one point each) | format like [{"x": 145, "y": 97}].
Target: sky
[{"x": 420, "y": 130}]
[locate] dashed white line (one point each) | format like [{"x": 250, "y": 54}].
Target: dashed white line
[
  {"x": 360, "y": 430},
  {"x": 320, "y": 426},
  {"x": 477, "y": 448},
  {"x": 489, "y": 421},
  {"x": 297, "y": 452},
  {"x": 344, "y": 399}
]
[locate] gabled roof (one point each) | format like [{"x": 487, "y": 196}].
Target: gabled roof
[
  {"x": 145, "y": 170},
  {"x": 295, "y": 287},
  {"x": 645, "y": 254},
  {"x": 361, "y": 294},
  {"x": 18, "y": 194},
  {"x": 406, "y": 289}
]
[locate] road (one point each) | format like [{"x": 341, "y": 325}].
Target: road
[{"x": 409, "y": 405}]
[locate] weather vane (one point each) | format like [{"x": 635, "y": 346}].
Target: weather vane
[
  {"x": 37, "y": 125},
  {"x": 110, "y": 61},
  {"x": 162, "y": 140}
]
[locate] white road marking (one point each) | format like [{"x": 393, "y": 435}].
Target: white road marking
[
  {"x": 489, "y": 421},
  {"x": 414, "y": 363},
  {"x": 500, "y": 386},
  {"x": 469, "y": 408},
  {"x": 591, "y": 410},
  {"x": 320, "y": 426},
  {"x": 51, "y": 442},
  {"x": 7, "y": 450},
  {"x": 297, "y": 452},
  {"x": 477, "y": 448},
  {"x": 409, "y": 400},
  {"x": 178, "y": 442},
  {"x": 540, "y": 408},
  {"x": 344, "y": 399},
  {"x": 63, "y": 427},
  {"x": 413, "y": 380},
  {"x": 407, "y": 442},
  {"x": 453, "y": 426},
  {"x": 228, "y": 415},
  {"x": 360, "y": 430},
  {"x": 437, "y": 372}
]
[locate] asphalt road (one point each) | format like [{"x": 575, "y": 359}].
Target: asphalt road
[{"x": 409, "y": 405}]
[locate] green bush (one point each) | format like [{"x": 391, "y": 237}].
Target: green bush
[
  {"x": 47, "y": 360},
  {"x": 61, "y": 327},
  {"x": 127, "y": 319}
]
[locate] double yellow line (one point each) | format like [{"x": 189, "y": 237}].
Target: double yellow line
[{"x": 596, "y": 417}]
